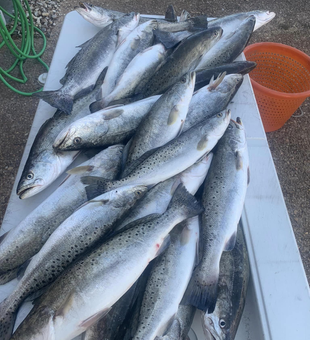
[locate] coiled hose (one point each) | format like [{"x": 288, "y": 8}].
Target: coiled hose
[{"x": 26, "y": 50}]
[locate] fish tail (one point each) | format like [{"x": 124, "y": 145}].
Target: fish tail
[
  {"x": 58, "y": 99},
  {"x": 202, "y": 295},
  {"x": 95, "y": 186},
  {"x": 7, "y": 318},
  {"x": 185, "y": 202}
]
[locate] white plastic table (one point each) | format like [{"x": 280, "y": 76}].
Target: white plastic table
[{"x": 278, "y": 299}]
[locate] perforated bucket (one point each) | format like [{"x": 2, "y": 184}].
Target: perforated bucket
[{"x": 281, "y": 81}]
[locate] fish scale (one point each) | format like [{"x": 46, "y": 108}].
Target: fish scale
[{"x": 88, "y": 289}]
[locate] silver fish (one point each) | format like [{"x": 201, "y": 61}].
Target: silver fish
[
  {"x": 96, "y": 15},
  {"x": 212, "y": 98},
  {"x": 170, "y": 159},
  {"x": 138, "y": 40},
  {"x": 27, "y": 238},
  {"x": 156, "y": 200},
  {"x": 223, "y": 198},
  {"x": 180, "y": 325},
  {"x": 165, "y": 120},
  {"x": 223, "y": 323},
  {"x": 85, "y": 67},
  {"x": 105, "y": 127},
  {"x": 230, "y": 46},
  {"x": 168, "y": 281},
  {"x": 184, "y": 58},
  {"x": 138, "y": 72},
  {"x": 77, "y": 234},
  {"x": 44, "y": 164},
  {"x": 89, "y": 288}
]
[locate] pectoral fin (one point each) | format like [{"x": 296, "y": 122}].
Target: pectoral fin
[
  {"x": 173, "y": 116},
  {"x": 94, "y": 318}
]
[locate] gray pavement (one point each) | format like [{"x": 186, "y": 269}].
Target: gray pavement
[{"x": 289, "y": 145}]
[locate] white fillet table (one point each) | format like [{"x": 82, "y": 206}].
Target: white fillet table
[{"x": 278, "y": 300}]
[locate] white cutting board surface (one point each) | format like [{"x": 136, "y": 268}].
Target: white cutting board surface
[{"x": 278, "y": 299}]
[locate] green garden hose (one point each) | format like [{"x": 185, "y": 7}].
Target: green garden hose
[{"x": 26, "y": 50}]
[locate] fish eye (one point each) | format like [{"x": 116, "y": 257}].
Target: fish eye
[
  {"x": 222, "y": 323},
  {"x": 139, "y": 192},
  {"x": 30, "y": 175},
  {"x": 77, "y": 140},
  {"x": 220, "y": 114},
  {"x": 183, "y": 80}
]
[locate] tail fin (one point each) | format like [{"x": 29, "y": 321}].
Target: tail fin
[
  {"x": 202, "y": 295},
  {"x": 95, "y": 186},
  {"x": 185, "y": 202},
  {"x": 61, "y": 101},
  {"x": 7, "y": 319}
]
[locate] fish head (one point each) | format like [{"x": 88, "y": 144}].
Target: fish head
[
  {"x": 70, "y": 138},
  {"x": 217, "y": 124},
  {"x": 126, "y": 25},
  {"x": 230, "y": 84},
  {"x": 126, "y": 196},
  {"x": 193, "y": 177},
  {"x": 216, "y": 326},
  {"x": 236, "y": 137},
  {"x": 209, "y": 38},
  {"x": 95, "y": 15},
  {"x": 262, "y": 18},
  {"x": 39, "y": 173}
]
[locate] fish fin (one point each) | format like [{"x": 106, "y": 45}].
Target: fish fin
[
  {"x": 84, "y": 92},
  {"x": 181, "y": 128},
  {"x": 165, "y": 38},
  {"x": 201, "y": 296},
  {"x": 173, "y": 115},
  {"x": 97, "y": 106},
  {"x": 63, "y": 102},
  {"x": 175, "y": 185},
  {"x": 199, "y": 22},
  {"x": 125, "y": 153},
  {"x": 114, "y": 113},
  {"x": 96, "y": 186},
  {"x": 2, "y": 237},
  {"x": 7, "y": 320},
  {"x": 132, "y": 165},
  {"x": 82, "y": 45},
  {"x": 66, "y": 305},
  {"x": 94, "y": 318},
  {"x": 170, "y": 14},
  {"x": 22, "y": 269},
  {"x": 164, "y": 246},
  {"x": 101, "y": 77},
  {"x": 8, "y": 276},
  {"x": 186, "y": 202},
  {"x": 230, "y": 244},
  {"x": 184, "y": 15},
  {"x": 185, "y": 235},
  {"x": 80, "y": 170},
  {"x": 248, "y": 175},
  {"x": 215, "y": 83}
]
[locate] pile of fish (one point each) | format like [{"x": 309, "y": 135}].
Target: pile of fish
[{"x": 142, "y": 234}]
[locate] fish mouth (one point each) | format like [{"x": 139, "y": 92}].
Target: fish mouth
[
  {"x": 28, "y": 190},
  {"x": 84, "y": 5}
]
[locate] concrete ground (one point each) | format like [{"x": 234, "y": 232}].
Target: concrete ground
[{"x": 289, "y": 145}]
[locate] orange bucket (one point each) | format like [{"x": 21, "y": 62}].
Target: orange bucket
[{"x": 281, "y": 81}]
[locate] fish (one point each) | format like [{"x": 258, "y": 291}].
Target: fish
[
  {"x": 168, "y": 160},
  {"x": 230, "y": 46},
  {"x": 180, "y": 325},
  {"x": 231, "y": 22},
  {"x": 44, "y": 164},
  {"x": 171, "y": 14},
  {"x": 85, "y": 67},
  {"x": 138, "y": 40},
  {"x": 223, "y": 198},
  {"x": 89, "y": 288},
  {"x": 212, "y": 98},
  {"x": 108, "y": 327},
  {"x": 184, "y": 15},
  {"x": 184, "y": 58},
  {"x": 203, "y": 77},
  {"x": 223, "y": 323},
  {"x": 165, "y": 120},
  {"x": 96, "y": 15},
  {"x": 27, "y": 238},
  {"x": 106, "y": 127},
  {"x": 77, "y": 234},
  {"x": 168, "y": 280},
  {"x": 137, "y": 73},
  {"x": 156, "y": 200}
]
